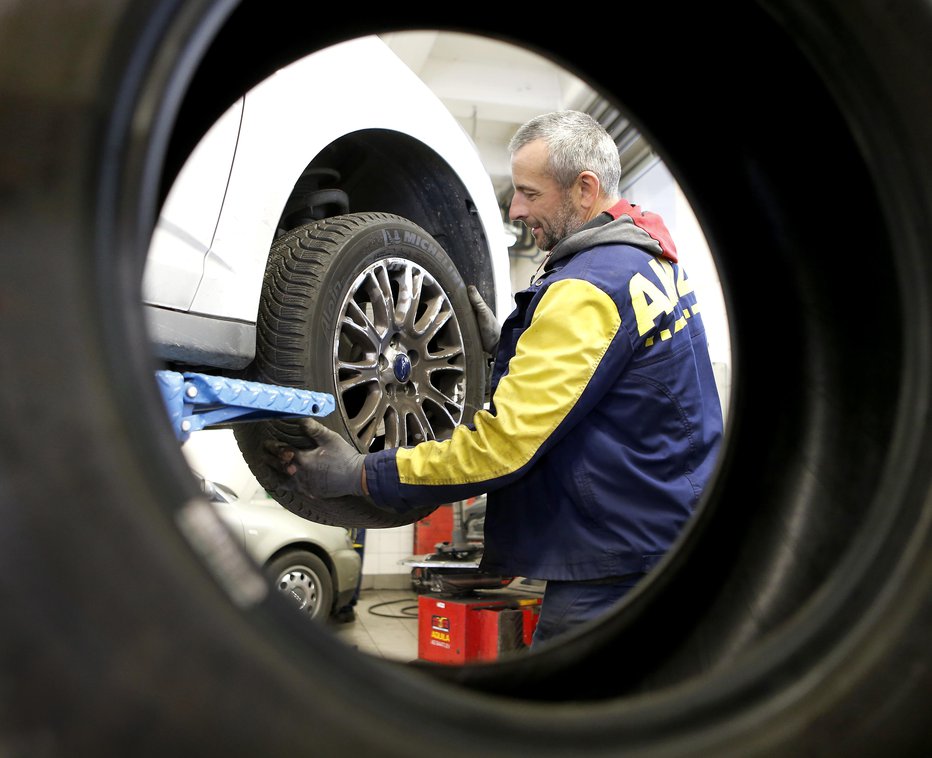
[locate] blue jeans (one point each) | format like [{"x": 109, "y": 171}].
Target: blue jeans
[{"x": 568, "y": 604}]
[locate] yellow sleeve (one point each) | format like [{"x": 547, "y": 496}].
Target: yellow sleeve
[{"x": 555, "y": 358}]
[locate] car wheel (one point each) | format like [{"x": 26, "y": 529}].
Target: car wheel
[
  {"x": 304, "y": 580},
  {"x": 369, "y": 308}
]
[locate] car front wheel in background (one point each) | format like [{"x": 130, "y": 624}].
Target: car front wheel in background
[{"x": 304, "y": 580}]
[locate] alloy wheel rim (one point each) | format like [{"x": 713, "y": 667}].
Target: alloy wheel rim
[{"x": 399, "y": 359}]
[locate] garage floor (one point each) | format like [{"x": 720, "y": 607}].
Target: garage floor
[{"x": 385, "y": 625}]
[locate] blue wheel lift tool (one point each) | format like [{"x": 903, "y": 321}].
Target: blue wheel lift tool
[{"x": 200, "y": 401}]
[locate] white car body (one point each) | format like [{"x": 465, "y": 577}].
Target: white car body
[{"x": 203, "y": 277}]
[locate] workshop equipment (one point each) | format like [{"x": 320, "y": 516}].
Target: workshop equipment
[
  {"x": 468, "y": 616},
  {"x": 453, "y": 567},
  {"x": 459, "y": 630}
]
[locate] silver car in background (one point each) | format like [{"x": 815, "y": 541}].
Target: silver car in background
[{"x": 315, "y": 565}]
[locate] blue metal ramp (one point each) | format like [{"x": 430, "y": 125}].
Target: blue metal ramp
[{"x": 200, "y": 401}]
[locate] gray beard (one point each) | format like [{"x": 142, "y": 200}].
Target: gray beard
[{"x": 566, "y": 222}]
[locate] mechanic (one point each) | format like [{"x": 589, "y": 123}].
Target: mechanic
[{"x": 604, "y": 419}]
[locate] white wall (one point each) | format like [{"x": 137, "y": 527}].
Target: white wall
[
  {"x": 382, "y": 558},
  {"x": 213, "y": 453}
]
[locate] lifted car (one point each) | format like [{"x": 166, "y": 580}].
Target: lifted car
[{"x": 322, "y": 237}]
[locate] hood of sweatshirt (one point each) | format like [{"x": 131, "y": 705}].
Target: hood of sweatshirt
[{"x": 623, "y": 223}]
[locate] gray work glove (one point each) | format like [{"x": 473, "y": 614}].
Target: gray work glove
[
  {"x": 489, "y": 328},
  {"x": 331, "y": 469}
]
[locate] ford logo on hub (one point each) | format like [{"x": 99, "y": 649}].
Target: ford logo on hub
[{"x": 402, "y": 368}]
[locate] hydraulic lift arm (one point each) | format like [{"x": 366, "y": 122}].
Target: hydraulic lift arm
[{"x": 199, "y": 401}]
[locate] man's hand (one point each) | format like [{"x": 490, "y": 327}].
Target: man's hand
[
  {"x": 489, "y": 328},
  {"x": 331, "y": 469}
]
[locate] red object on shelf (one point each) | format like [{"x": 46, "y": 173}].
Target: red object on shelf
[
  {"x": 433, "y": 529},
  {"x": 460, "y": 630}
]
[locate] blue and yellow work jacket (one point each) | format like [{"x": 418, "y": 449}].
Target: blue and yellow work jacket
[{"x": 604, "y": 419}]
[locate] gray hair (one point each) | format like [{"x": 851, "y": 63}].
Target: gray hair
[{"x": 576, "y": 143}]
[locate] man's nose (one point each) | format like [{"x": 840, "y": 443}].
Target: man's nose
[{"x": 516, "y": 211}]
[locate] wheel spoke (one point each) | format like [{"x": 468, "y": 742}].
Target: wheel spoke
[
  {"x": 418, "y": 427},
  {"x": 394, "y": 429},
  {"x": 406, "y": 303},
  {"x": 364, "y": 424},
  {"x": 356, "y": 322},
  {"x": 435, "y": 317},
  {"x": 441, "y": 405},
  {"x": 353, "y": 376},
  {"x": 444, "y": 354},
  {"x": 378, "y": 290}
]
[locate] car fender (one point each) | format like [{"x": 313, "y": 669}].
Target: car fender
[{"x": 377, "y": 91}]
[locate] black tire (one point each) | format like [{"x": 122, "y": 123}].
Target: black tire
[
  {"x": 304, "y": 580},
  {"x": 793, "y": 620},
  {"x": 318, "y": 331}
]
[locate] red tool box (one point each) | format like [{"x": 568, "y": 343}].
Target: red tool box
[{"x": 457, "y": 630}]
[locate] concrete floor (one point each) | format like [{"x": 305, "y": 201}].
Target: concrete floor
[{"x": 385, "y": 625}]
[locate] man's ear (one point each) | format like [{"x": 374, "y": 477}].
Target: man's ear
[{"x": 589, "y": 188}]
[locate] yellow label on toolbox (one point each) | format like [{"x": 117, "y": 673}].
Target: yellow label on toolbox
[{"x": 440, "y": 631}]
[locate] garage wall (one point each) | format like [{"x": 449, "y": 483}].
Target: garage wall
[
  {"x": 382, "y": 558},
  {"x": 213, "y": 454}
]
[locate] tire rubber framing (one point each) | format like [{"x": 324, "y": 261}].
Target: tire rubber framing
[{"x": 794, "y": 617}]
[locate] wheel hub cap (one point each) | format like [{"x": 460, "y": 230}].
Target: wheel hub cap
[{"x": 402, "y": 368}]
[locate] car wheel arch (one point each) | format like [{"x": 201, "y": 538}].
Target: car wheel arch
[
  {"x": 381, "y": 170},
  {"x": 308, "y": 546}
]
